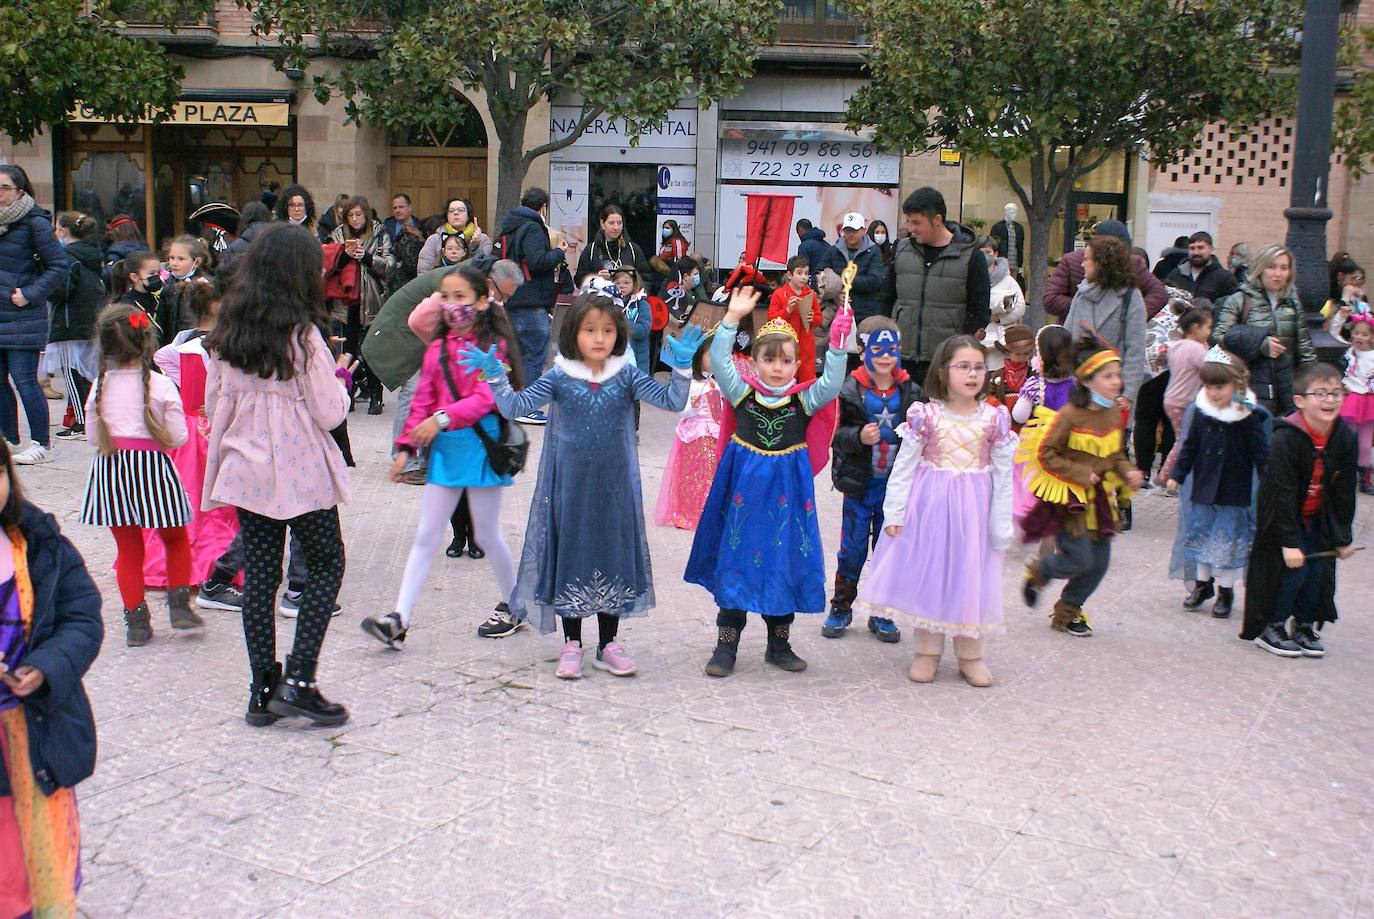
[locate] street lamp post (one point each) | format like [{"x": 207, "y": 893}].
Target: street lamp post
[{"x": 1308, "y": 213}]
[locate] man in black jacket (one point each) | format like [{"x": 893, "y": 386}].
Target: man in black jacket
[
  {"x": 1200, "y": 273},
  {"x": 873, "y": 401},
  {"x": 524, "y": 239}
]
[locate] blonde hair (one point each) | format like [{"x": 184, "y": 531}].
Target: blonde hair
[
  {"x": 121, "y": 343},
  {"x": 1266, "y": 257}
]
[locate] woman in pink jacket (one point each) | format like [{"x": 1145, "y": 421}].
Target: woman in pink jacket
[{"x": 273, "y": 393}]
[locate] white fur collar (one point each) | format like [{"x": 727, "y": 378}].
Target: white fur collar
[
  {"x": 1228, "y": 415},
  {"x": 580, "y": 371}
]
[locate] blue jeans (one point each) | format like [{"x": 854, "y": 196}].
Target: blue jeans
[
  {"x": 1082, "y": 561},
  {"x": 22, "y": 368},
  {"x": 1300, "y": 588},
  {"x": 532, "y": 331},
  {"x": 404, "y": 396}
]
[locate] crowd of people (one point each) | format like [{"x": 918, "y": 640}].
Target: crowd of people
[{"x": 215, "y": 380}]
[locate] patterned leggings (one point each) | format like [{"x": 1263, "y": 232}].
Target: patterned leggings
[{"x": 264, "y": 539}]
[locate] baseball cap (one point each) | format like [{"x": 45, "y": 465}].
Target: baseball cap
[{"x": 853, "y": 221}]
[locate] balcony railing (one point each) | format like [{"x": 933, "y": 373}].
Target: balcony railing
[
  {"x": 818, "y": 22},
  {"x": 194, "y": 25}
]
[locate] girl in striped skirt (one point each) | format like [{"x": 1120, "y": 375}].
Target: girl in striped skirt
[{"x": 134, "y": 417}]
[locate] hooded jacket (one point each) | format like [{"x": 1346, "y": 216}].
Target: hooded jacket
[
  {"x": 79, "y": 298},
  {"x": 948, "y": 297},
  {"x": 814, "y": 249},
  {"x": 64, "y": 639},
  {"x": 1213, "y": 283},
  {"x": 524, "y": 239},
  {"x": 34, "y": 262},
  {"x": 866, "y": 293}
]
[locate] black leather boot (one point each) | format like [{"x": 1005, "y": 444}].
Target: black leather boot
[
  {"x": 1202, "y": 592},
  {"x": 728, "y": 628},
  {"x": 1225, "y": 598},
  {"x": 299, "y": 694},
  {"x": 780, "y": 653},
  {"x": 259, "y": 694}
]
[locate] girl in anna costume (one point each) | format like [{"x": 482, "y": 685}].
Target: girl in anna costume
[
  {"x": 1077, "y": 468},
  {"x": 758, "y": 546}
]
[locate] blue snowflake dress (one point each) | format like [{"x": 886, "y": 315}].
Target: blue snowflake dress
[
  {"x": 758, "y": 545},
  {"x": 585, "y": 548}
]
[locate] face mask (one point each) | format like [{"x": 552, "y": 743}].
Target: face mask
[
  {"x": 62, "y": 241},
  {"x": 459, "y": 315},
  {"x": 666, "y": 233},
  {"x": 1235, "y": 261},
  {"x": 882, "y": 343},
  {"x": 880, "y": 238},
  {"x": 152, "y": 285}
]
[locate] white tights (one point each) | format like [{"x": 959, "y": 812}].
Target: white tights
[
  {"x": 1225, "y": 577},
  {"x": 437, "y": 503}
]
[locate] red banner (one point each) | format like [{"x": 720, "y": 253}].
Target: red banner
[{"x": 768, "y": 228}]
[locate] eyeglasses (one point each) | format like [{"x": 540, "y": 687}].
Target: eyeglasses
[
  {"x": 965, "y": 367},
  {"x": 1325, "y": 395},
  {"x": 9, "y": 187}
]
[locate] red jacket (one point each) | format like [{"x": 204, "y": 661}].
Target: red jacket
[{"x": 1069, "y": 273}]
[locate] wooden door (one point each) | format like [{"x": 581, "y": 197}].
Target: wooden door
[{"x": 432, "y": 175}]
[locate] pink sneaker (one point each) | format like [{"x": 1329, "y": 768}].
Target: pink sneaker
[
  {"x": 570, "y": 662},
  {"x": 614, "y": 660}
]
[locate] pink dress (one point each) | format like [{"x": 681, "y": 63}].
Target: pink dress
[
  {"x": 1358, "y": 407},
  {"x": 210, "y": 531},
  {"x": 951, "y": 490},
  {"x": 691, "y": 460}
]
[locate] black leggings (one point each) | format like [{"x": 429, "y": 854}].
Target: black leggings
[
  {"x": 606, "y": 624},
  {"x": 461, "y": 521},
  {"x": 1149, "y": 416},
  {"x": 264, "y": 539}
]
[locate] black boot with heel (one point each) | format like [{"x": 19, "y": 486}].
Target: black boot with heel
[
  {"x": 259, "y": 694},
  {"x": 1202, "y": 592},
  {"x": 299, "y": 694}
]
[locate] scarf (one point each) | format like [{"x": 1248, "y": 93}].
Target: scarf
[{"x": 11, "y": 214}]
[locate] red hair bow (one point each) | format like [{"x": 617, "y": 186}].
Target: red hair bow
[{"x": 138, "y": 320}]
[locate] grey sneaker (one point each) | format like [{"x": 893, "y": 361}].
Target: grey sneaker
[
  {"x": 290, "y": 606},
  {"x": 386, "y": 629},
  {"x": 220, "y": 596},
  {"x": 500, "y": 623}
]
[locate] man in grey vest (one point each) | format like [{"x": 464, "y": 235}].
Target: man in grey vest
[{"x": 938, "y": 285}]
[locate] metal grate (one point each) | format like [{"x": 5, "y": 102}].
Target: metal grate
[{"x": 1260, "y": 158}]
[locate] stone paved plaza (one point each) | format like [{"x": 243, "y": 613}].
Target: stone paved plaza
[{"x": 1160, "y": 769}]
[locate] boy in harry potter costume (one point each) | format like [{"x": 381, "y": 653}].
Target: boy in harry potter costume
[{"x": 873, "y": 401}]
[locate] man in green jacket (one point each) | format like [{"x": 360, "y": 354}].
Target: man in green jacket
[{"x": 938, "y": 285}]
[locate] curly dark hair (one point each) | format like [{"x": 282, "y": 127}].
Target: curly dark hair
[
  {"x": 1114, "y": 268},
  {"x": 277, "y": 295},
  {"x": 291, "y": 192}
]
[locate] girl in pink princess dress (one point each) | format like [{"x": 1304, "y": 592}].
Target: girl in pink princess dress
[
  {"x": 948, "y": 512},
  {"x": 692, "y": 458}
]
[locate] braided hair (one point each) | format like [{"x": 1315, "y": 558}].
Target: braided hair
[{"x": 120, "y": 342}]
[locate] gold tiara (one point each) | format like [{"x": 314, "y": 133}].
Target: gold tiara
[{"x": 777, "y": 327}]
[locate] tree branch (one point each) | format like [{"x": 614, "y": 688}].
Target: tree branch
[{"x": 589, "y": 114}]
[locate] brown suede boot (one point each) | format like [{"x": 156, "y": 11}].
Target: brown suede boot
[
  {"x": 926, "y": 663},
  {"x": 969, "y": 650},
  {"x": 1061, "y": 617}
]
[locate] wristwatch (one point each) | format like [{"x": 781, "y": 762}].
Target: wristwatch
[{"x": 441, "y": 418}]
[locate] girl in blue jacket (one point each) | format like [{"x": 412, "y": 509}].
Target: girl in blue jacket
[{"x": 50, "y": 632}]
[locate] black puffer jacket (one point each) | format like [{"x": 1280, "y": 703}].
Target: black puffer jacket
[
  {"x": 80, "y": 296},
  {"x": 524, "y": 239},
  {"x": 851, "y": 462}
]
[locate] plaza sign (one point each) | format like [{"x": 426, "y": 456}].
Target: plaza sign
[{"x": 240, "y": 114}]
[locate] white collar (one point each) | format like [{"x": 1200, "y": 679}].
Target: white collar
[
  {"x": 1228, "y": 415},
  {"x": 580, "y": 371}
]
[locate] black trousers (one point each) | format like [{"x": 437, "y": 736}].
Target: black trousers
[
  {"x": 264, "y": 539},
  {"x": 1149, "y": 417}
]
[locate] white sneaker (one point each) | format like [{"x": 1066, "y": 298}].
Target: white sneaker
[{"x": 36, "y": 453}]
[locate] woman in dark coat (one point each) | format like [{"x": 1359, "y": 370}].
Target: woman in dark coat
[
  {"x": 50, "y": 633},
  {"x": 70, "y": 353},
  {"x": 32, "y": 264}
]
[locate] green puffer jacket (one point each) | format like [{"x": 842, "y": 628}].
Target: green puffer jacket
[
  {"x": 930, "y": 305},
  {"x": 1284, "y": 320},
  {"x": 392, "y": 351}
]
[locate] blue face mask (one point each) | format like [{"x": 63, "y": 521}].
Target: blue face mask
[
  {"x": 666, "y": 233},
  {"x": 1101, "y": 400},
  {"x": 63, "y": 242},
  {"x": 882, "y": 343}
]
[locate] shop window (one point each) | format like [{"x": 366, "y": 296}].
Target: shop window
[
  {"x": 818, "y": 22},
  {"x": 105, "y": 183}
]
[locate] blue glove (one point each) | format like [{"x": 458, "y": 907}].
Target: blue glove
[
  {"x": 485, "y": 362},
  {"x": 679, "y": 352}
]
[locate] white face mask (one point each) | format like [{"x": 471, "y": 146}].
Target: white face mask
[{"x": 880, "y": 238}]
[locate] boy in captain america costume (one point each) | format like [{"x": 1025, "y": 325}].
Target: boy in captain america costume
[{"x": 873, "y": 401}]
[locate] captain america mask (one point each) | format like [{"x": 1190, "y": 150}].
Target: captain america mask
[{"x": 882, "y": 343}]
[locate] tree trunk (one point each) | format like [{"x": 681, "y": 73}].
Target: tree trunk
[
  {"x": 510, "y": 164},
  {"x": 1039, "y": 220}
]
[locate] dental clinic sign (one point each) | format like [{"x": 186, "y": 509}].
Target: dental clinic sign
[{"x": 676, "y": 132}]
